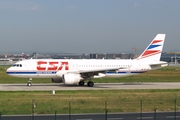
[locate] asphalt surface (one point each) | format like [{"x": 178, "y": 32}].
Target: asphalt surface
[
  {"x": 97, "y": 86},
  {"x": 117, "y": 116}
]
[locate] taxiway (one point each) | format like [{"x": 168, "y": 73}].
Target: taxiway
[{"x": 97, "y": 86}]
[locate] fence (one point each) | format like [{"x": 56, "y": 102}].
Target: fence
[{"x": 50, "y": 106}]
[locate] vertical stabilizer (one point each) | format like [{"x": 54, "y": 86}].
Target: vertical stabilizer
[{"x": 154, "y": 50}]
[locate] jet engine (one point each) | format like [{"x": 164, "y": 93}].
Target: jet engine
[
  {"x": 56, "y": 80},
  {"x": 71, "y": 78}
]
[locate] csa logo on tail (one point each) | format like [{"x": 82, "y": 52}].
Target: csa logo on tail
[{"x": 154, "y": 49}]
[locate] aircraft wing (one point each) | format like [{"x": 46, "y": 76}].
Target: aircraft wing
[{"x": 96, "y": 72}]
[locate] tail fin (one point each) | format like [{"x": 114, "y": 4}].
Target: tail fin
[{"x": 154, "y": 50}]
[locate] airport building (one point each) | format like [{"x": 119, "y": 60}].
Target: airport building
[{"x": 173, "y": 58}]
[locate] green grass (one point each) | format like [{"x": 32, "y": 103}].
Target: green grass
[
  {"x": 167, "y": 74},
  {"x": 91, "y": 101}
]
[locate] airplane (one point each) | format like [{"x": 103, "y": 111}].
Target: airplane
[{"x": 77, "y": 71}]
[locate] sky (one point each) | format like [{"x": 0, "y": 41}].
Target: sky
[{"x": 87, "y": 26}]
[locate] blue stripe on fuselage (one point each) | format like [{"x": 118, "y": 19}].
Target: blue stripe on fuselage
[
  {"x": 54, "y": 72},
  {"x": 18, "y": 73}
]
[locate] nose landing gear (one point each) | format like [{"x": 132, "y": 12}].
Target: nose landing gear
[{"x": 29, "y": 84}]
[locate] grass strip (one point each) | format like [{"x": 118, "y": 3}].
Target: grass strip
[{"x": 89, "y": 101}]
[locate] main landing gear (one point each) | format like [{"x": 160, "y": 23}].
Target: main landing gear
[
  {"x": 81, "y": 83},
  {"x": 89, "y": 84},
  {"x": 29, "y": 84}
]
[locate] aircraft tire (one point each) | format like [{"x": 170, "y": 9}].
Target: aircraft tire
[
  {"x": 81, "y": 83},
  {"x": 29, "y": 84},
  {"x": 90, "y": 84}
]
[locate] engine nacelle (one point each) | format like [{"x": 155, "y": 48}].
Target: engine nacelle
[
  {"x": 56, "y": 80},
  {"x": 71, "y": 78}
]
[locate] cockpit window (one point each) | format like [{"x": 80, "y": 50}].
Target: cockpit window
[{"x": 17, "y": 65}]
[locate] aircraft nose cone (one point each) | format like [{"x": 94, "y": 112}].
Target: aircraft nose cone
[{"x": 8, "y": 71}]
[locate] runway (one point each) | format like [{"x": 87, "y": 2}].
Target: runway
[{"x": 97, "y": 86}]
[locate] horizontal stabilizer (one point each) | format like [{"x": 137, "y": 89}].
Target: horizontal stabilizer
[{"x": 158, "y": 65}]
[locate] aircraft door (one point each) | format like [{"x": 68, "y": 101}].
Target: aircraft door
[{"x": 30, "y": 65}]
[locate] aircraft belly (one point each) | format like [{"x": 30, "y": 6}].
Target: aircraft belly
[
  {"x": 122, "y": 74},
  {"x": 116, "y": 75}
]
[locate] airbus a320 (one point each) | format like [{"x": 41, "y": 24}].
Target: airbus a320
[{"x": 76, "y": 71}]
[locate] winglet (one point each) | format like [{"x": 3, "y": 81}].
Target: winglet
[{"x": 154, "y": 50}]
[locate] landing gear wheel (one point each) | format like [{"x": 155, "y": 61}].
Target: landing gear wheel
[
  {"x": 90, "y": 84},
  {"x": 29, "y": 84},
  {"x": 81, "y": 83}
]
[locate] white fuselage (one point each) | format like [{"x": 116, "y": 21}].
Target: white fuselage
[{"x": 48, "y": 68}]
